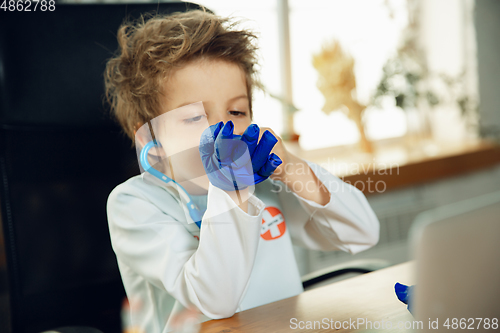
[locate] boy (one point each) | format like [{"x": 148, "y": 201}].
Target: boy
[{"x": 176, "y": 75}]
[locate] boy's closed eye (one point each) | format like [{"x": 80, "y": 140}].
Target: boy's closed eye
[
  {"x": 238, "y": 113},
  {"x": 194, "y": 119},
  {"x": 201, "y": 117}
]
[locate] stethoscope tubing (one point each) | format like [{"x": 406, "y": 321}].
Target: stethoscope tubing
[{"x": 193, "y": 212}]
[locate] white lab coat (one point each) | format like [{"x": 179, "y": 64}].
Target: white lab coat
[{"x": 241, "y": 260}]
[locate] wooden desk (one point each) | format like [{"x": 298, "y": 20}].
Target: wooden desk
[{"x": 369, "y": 296}]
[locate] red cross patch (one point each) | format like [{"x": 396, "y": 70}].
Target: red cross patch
[{"x": 273, "y": 224}]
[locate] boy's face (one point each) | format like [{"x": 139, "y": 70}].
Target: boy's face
[{"x": 221, "y": 86}]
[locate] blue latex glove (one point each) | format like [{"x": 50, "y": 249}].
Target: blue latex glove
[
  {"x": 234, "y": 162},
  {"x": 403, "y": 292}
]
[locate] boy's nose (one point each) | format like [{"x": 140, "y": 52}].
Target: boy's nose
[
  {"x": 214, "y": 119},
  {"x": 225, "y": 119}
]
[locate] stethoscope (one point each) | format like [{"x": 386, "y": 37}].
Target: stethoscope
[{"x": 193, "y": 212}]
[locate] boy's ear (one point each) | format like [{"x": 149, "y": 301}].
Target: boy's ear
[
  {"x": 142, "y": 136},
  {"x": 139, "y": 138}
]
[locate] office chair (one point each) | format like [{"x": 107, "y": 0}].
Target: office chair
[{"x": 60, "y": 157}]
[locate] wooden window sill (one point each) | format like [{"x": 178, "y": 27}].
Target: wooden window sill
[{"x": 393, "y": 165}]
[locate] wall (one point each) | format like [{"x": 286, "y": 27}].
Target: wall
[{"x": 487, "y": 22}]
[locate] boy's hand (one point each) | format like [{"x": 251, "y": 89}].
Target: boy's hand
[
  {"x": 295, "y": 171},
  {"x": 234, "y": 162}
]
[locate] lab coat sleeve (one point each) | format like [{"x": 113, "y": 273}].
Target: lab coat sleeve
[
  {"x": 346, "y": 222},
  {"x": 211, "y": 274}
]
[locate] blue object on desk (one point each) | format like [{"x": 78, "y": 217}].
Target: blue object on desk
[
  {"x": 193, "y": 212},
  {"x": 403, "y": 292}
]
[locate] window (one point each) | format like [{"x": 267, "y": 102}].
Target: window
[
  {"x": 370, "y": 30},
  {"x": 366, "y": 31},
  {"x": 364, "y": 28}
]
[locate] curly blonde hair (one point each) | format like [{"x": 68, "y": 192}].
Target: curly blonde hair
[{"x": 154, "y": 45}]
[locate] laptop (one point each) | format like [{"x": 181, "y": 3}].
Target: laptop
[{"x": 457, "y": 249}]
